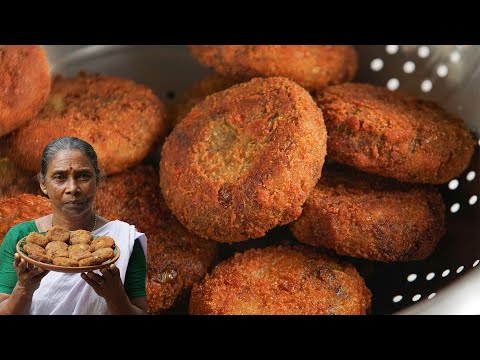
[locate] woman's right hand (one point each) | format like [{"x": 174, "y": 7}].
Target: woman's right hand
[{"x": 28, "y": 279}]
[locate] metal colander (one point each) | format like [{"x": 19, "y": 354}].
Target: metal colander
[{"x": 447, "y": 282}]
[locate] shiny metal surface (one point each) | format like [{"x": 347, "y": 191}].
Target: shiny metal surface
[
  {"x": 446, "y": 283},
  {"x": 165, "y": 69}
]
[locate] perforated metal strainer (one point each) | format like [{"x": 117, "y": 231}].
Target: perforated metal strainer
[{"x": 446, "y": 283}]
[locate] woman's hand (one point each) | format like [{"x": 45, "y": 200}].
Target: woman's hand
[
  {"x": 28, "y": 278},
  {"x": 108, "y": 285}
]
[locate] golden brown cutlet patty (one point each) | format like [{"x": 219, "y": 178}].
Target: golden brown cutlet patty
[
  {"x": 44, "y": 258},
  {"x": 119, "y": 118},
  {"x": 32, "y": 247},
  {"x": 103, "y": 254},
  {"x": 89, "y": 261},
  {"x": 311, "y": 66},
  {"x": 24, "y": 83},
  {"x": 21, "y": 208},
  {"x": 281, "y": 280},
  {"x": 58, "y": 233},
  {"x": 393, "y": 134},
  {"x": 176, "y": 258},
  {"x": 370, "y": 217},
  {"x": 199, "y": 91},
  {"x": 15, "y": 181},
  {"x": 64, "y": 261},
  {"x": 57, "y": 248},
  {"x": 57, "y": 253},
  {"x": 36, "y": 238},
  {"x": 79, "y": 254},
  {"x": 96, "y": 258},
  {"x": 80, "y": 237},
  {"x": 244, "y": 160},
  {"x": 56, "y": 245},
  {"x": 102, "y": 242},
  {"x": 76, "y": 247}
]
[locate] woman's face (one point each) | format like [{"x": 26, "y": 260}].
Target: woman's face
[{"x": 70, "y": 183}]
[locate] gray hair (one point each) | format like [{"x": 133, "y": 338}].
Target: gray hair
[{"x": 68, "y": 143}]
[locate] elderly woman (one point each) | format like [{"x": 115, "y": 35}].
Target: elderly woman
[{"x": 69, "y": 177}]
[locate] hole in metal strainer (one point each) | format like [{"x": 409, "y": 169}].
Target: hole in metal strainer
[
  {"x": 423, "y": 51},
  {"x": 453, "y": 184},
  {"x": 416, "y": 297},
  {"x": 376, "y": 64},
  {"x": 409, "y": 67},
  {"x": 426, "y": 85},
  {"x": 411, "y": 277},
  {"x": 393, "y": 84},
  {"x": 442, "y": 70},
  {"x": 392, "y": 49}
]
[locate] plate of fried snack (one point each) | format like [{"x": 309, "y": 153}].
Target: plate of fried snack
[{"x": 68, "y": 251}]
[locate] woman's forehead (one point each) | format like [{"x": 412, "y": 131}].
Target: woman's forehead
[{"x": 69, "y": 158}]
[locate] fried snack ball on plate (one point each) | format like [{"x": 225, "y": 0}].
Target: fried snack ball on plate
[
  {"x": 21, "y": 208},
  {"x": 102, "y": 242},
  {"x": 32, "y": 247},
  {"x": 118, "y": 117},
  {"x": 311, "y": 66},
  {"x": 80, "y": 237},
  {"x": 38, "y": 239},
  {"x": 58, "y": 233},
  {"x": 98, "y": 257},
  {"x": 79, "y": 254},
  {"x": 65, "y": 261},
  {"x": 371, "y": 217},
  {"x": 393, "y": 134},
  {"x": 89, "y": 261},
  {"x": 244, "y": 160},
  {"x": 104, "y": 254},
  {"x": 80, "y": 246},
  {"x": 281, "y": 280},
  {"x": 24, "y": 84},
  {"x": 176, "y": 258},
  {"x": 57, "y": 248},
  {"x": 44, "y": 258}
]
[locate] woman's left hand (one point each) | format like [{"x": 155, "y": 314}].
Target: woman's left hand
[{"x": 108, "y": 285}]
